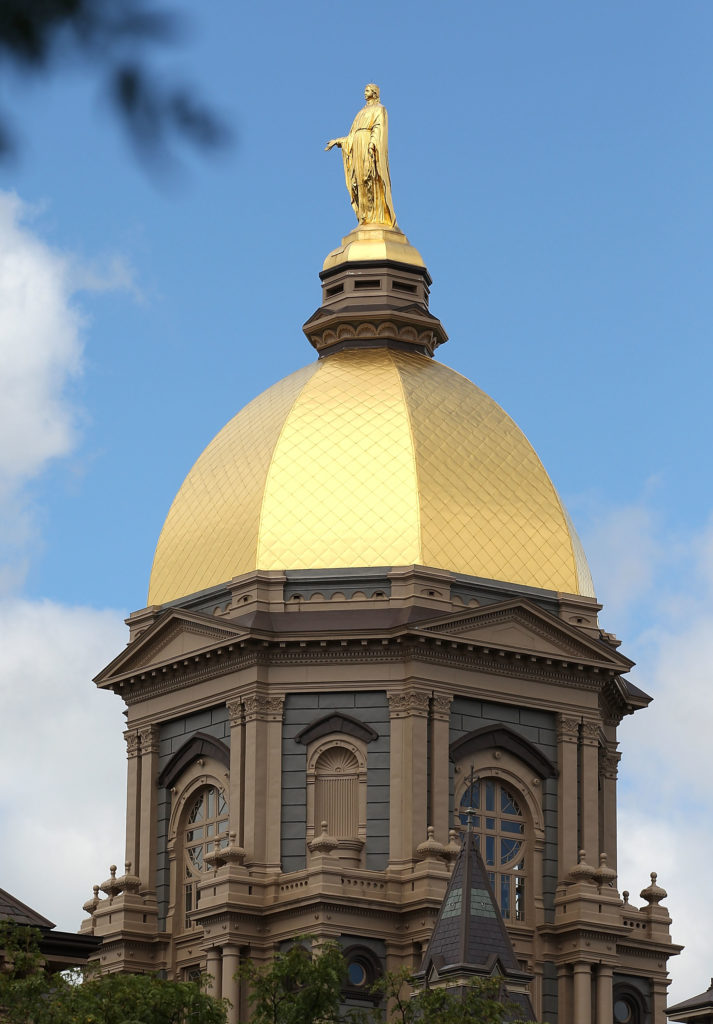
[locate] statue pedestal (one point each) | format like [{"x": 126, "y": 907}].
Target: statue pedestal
[{"x": 374, "y": 242}]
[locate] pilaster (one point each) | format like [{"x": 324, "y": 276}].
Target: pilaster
[
  {"x": 408, "y": 710},
  {"x": 263, "y": 779},
  {"x": 589, "y": 787},
  {"x": 567, "y": 799},
  {"x": 440, "y": 729},
  {"x": 149, "y": 738},
  {"x": 609, "y": 770},
  {"x": 133, "y": 776},
  {"x": 237, "y": 768}
]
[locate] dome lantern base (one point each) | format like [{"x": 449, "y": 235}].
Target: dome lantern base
[{"x": 375, "y": 302}]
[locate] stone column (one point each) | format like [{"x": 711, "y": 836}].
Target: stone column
[
  {"x": 567, "y": 800},
  {"x": 214, "y": 986},
  {"x": 609, "y": 769},
  {"x": 564, "y": 993},
  {"x": 236, "y": 784},
  {"x": 149, "y": 808},
  {"x": 231, "y": 985},
  {"x": 589, "y": 790},
  {"x": 583, "y": 993},
  {"x": 133, "y": 782},
  {"x": 263, "y": 779},
  {"x": 605, "y": 997},
  {"x": 408, "y": 711},
  {"x": 440, "y": 735}
]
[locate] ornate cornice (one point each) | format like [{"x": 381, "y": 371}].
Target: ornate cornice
[{"x": 467, "y": 655}]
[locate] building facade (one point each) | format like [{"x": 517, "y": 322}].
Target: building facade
[{"x": 368, "y": 609}]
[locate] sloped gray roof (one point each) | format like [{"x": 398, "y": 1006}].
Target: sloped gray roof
[{"x": 12, "y": 909}]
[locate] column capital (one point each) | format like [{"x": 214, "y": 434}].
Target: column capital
[
  {"x": 149, "y": 736},
  {"x": 235, "y": 712},
  {"x": 609, "y": 763},
  {"x": 590, "y": 733},
  {"x": 268, "y": 709},
  {"x": 132, "y": 742},
  {"x": 442, "y": 706},
  {"x": 405, "y": 703},
  {"x": 567, "y": 729}
]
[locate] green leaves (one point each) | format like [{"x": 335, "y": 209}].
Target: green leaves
[
  {"x": 300, "y": 986},
  {"x": 88, "y": 997}
]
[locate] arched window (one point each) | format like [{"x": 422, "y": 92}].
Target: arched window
[
  {"x": 500, "y": 826},
  {"x": 336, "y": 792},
  {"x": 206, "y": 824}
]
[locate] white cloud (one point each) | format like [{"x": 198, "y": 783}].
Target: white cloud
[
  {"x": 40, "y": 348},
  {"x": 62, "y": 785},
  {"x": 665, "y": 821},
  {"x": 62, "y": 759},
  {"x": 41, "y": 345}
]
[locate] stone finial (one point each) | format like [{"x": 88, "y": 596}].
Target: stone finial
[
  {"x": 452, "y": 849},
  {"x": 429, "y": 848},
  {"x": 128, "y": 882},
  {"x": 582, "y": 872},
  {"x": 323, "y": 843},
  {"x": 625, "y": 897},
  {"x": 653, "y": 894},
  {"x": 112, "y": 886},
  {"x": 91, "y": 905},
  {"x": 230, "y": 854},
  {"x": 604, "y": 875}
]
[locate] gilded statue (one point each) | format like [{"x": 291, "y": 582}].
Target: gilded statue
[{"x": 366, "y": 162}]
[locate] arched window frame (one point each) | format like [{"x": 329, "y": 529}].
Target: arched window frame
[
  {"x": 200, "y": 774},
  {"x": 518, "y": 777},
  {"x": 347, "y": 849}
]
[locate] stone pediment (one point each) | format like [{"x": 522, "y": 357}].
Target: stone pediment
[
  {"x": 174, "y": 636},
  {"x": 524, "y": 628}
]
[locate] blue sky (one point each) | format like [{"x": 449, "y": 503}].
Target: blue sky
[{"x": 551, "y": 161}]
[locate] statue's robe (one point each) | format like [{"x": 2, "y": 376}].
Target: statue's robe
[{"x": 367, "y": 175}]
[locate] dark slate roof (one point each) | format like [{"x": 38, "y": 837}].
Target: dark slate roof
[
  {"x": 11, "y": 909},
  {"x": 702, "y": 1002},
  {"x": 470, "y": 932}
]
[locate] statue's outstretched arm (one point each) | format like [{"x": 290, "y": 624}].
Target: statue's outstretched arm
[{"x": 334, "y": 142}]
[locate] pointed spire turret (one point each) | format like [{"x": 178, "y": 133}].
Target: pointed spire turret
[{"x": 470, "y": 939}]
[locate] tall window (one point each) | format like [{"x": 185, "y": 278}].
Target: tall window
[
  {"x": 499, "y": 825},
  {"x": 206, "y": 826}
]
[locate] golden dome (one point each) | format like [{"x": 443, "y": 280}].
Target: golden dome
[{"x": 369, "y": 457}]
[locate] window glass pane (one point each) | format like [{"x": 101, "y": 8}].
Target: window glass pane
[
  {"x": 222, "y": 804},
  {"x": 490, "y": 850},
  {"x": 505, "y": 896},
  {"x": 490, "y": 823},
  {"x": 508, "y": 803},
  {"x": 209, "y": 830},
  {"x": 194, "y": 834},
  {"x": 509, "y": 849},
  {"x": 211, "y": 803},
  {"x": 516, "y": 827},
  {"x": 489, "y": 795}
]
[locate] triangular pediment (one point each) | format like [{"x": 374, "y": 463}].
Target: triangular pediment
[
  {"x": 174, "y": 636},
  {"x": 522, "y": 627}
]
